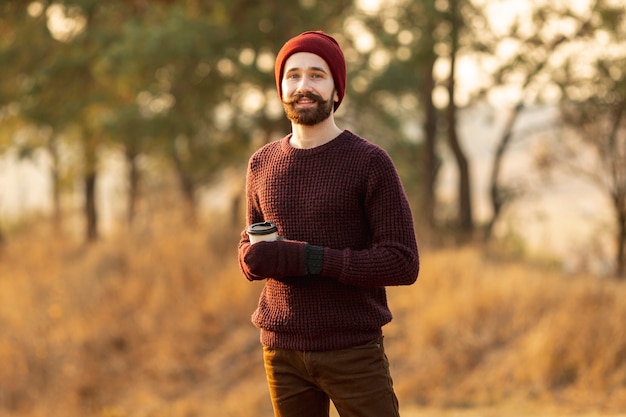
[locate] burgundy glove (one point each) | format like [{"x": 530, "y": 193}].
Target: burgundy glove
[{"x": 283, "y": 258}]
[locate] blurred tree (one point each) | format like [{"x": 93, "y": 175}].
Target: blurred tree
[
  {"x": 414, "y": 36},
  {"x": 594, "y": 110},
  {"x": 455, "y": 15},
  {"x": 64, "y": 93},
  {"x": 25, "y": 45},
  {"x": 187, "y": 81},
  {"x": 391, "y": 91},
  {"x": 196, "y": 78},
  {"x": 164, "y": 72},
  {"x": 530, "y": 70}
]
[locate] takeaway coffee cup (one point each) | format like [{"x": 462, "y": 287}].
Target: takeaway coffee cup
[{"x": 264, "y": 231}]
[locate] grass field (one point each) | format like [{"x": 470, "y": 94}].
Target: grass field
[{"x": 155, "y": 323}]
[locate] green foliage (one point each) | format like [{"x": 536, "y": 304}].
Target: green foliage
[{"x": 153, "y": 78}]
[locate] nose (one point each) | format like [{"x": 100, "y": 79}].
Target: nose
[{"x": 303, "y": 85}]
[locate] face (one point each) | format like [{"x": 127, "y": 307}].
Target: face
[{"x": 308, "y": 89}]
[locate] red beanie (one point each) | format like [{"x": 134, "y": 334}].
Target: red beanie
[{"x": 318, "y": 43}]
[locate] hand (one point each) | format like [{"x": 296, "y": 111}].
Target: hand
[{"x": 278, "y": 259}]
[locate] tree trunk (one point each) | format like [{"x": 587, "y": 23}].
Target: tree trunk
[
  {"x": 236, "y": 211},
  {"x": 91, "y": 214},
  {"x": 497, "y": 199},
  {"x": 612, "y": 156},
  {"x": 429, "y": 156},
  {"x": 133, "y": 184},
  {"x": 620, "y": 261},
  {"x": 188, "y": 190},
  {"x": 465, "y": 220},
  {"x": 56, "y": 186}
]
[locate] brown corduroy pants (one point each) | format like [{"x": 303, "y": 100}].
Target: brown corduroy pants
[{"x": 356, "y": 380}]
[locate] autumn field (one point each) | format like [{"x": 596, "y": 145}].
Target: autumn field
[{"x": 154, "y": 322}]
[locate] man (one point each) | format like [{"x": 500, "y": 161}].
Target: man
[{"x": 346, "y": 232}]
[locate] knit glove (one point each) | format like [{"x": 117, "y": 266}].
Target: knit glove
[{"x": 283, "y": 258}]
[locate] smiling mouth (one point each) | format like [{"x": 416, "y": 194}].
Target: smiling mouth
[{"x": 304, "y": 100}]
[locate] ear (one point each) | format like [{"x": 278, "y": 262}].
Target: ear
[{"x": 335, "y": 96}]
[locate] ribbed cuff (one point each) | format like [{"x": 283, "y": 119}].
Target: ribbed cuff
[
  {"x": 333, "y": 263},
  {"x": 313, "y": 259}
]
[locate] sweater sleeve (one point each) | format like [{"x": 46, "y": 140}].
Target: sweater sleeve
[
  {"x": 392, "y": 259},
  {"x": 253, "y": 215}
]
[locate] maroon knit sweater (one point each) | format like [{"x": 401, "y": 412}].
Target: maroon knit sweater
[{"x": 346, "y": 197}]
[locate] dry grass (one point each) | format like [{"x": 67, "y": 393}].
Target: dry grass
[
  {"x": 473, "y": 332},
  {"x": 156, "y": 323}
]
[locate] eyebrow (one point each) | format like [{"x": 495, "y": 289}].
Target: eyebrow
[{"x": 320, "y": 69}]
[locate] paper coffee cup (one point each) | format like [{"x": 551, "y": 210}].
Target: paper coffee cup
[{"x": 264, "y": 231}]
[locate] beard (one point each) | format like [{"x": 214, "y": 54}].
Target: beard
[{"x": 308, "y": 117}]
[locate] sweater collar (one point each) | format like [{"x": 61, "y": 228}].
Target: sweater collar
[{"x": 290, "y": 150}]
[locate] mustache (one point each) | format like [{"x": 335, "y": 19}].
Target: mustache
[{"x": 311, "y": 96}]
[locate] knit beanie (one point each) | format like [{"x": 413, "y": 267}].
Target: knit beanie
[{"x": 318, "y": 43}]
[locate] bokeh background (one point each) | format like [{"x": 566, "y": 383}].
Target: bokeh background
[{"x": 125, "y": 130}]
